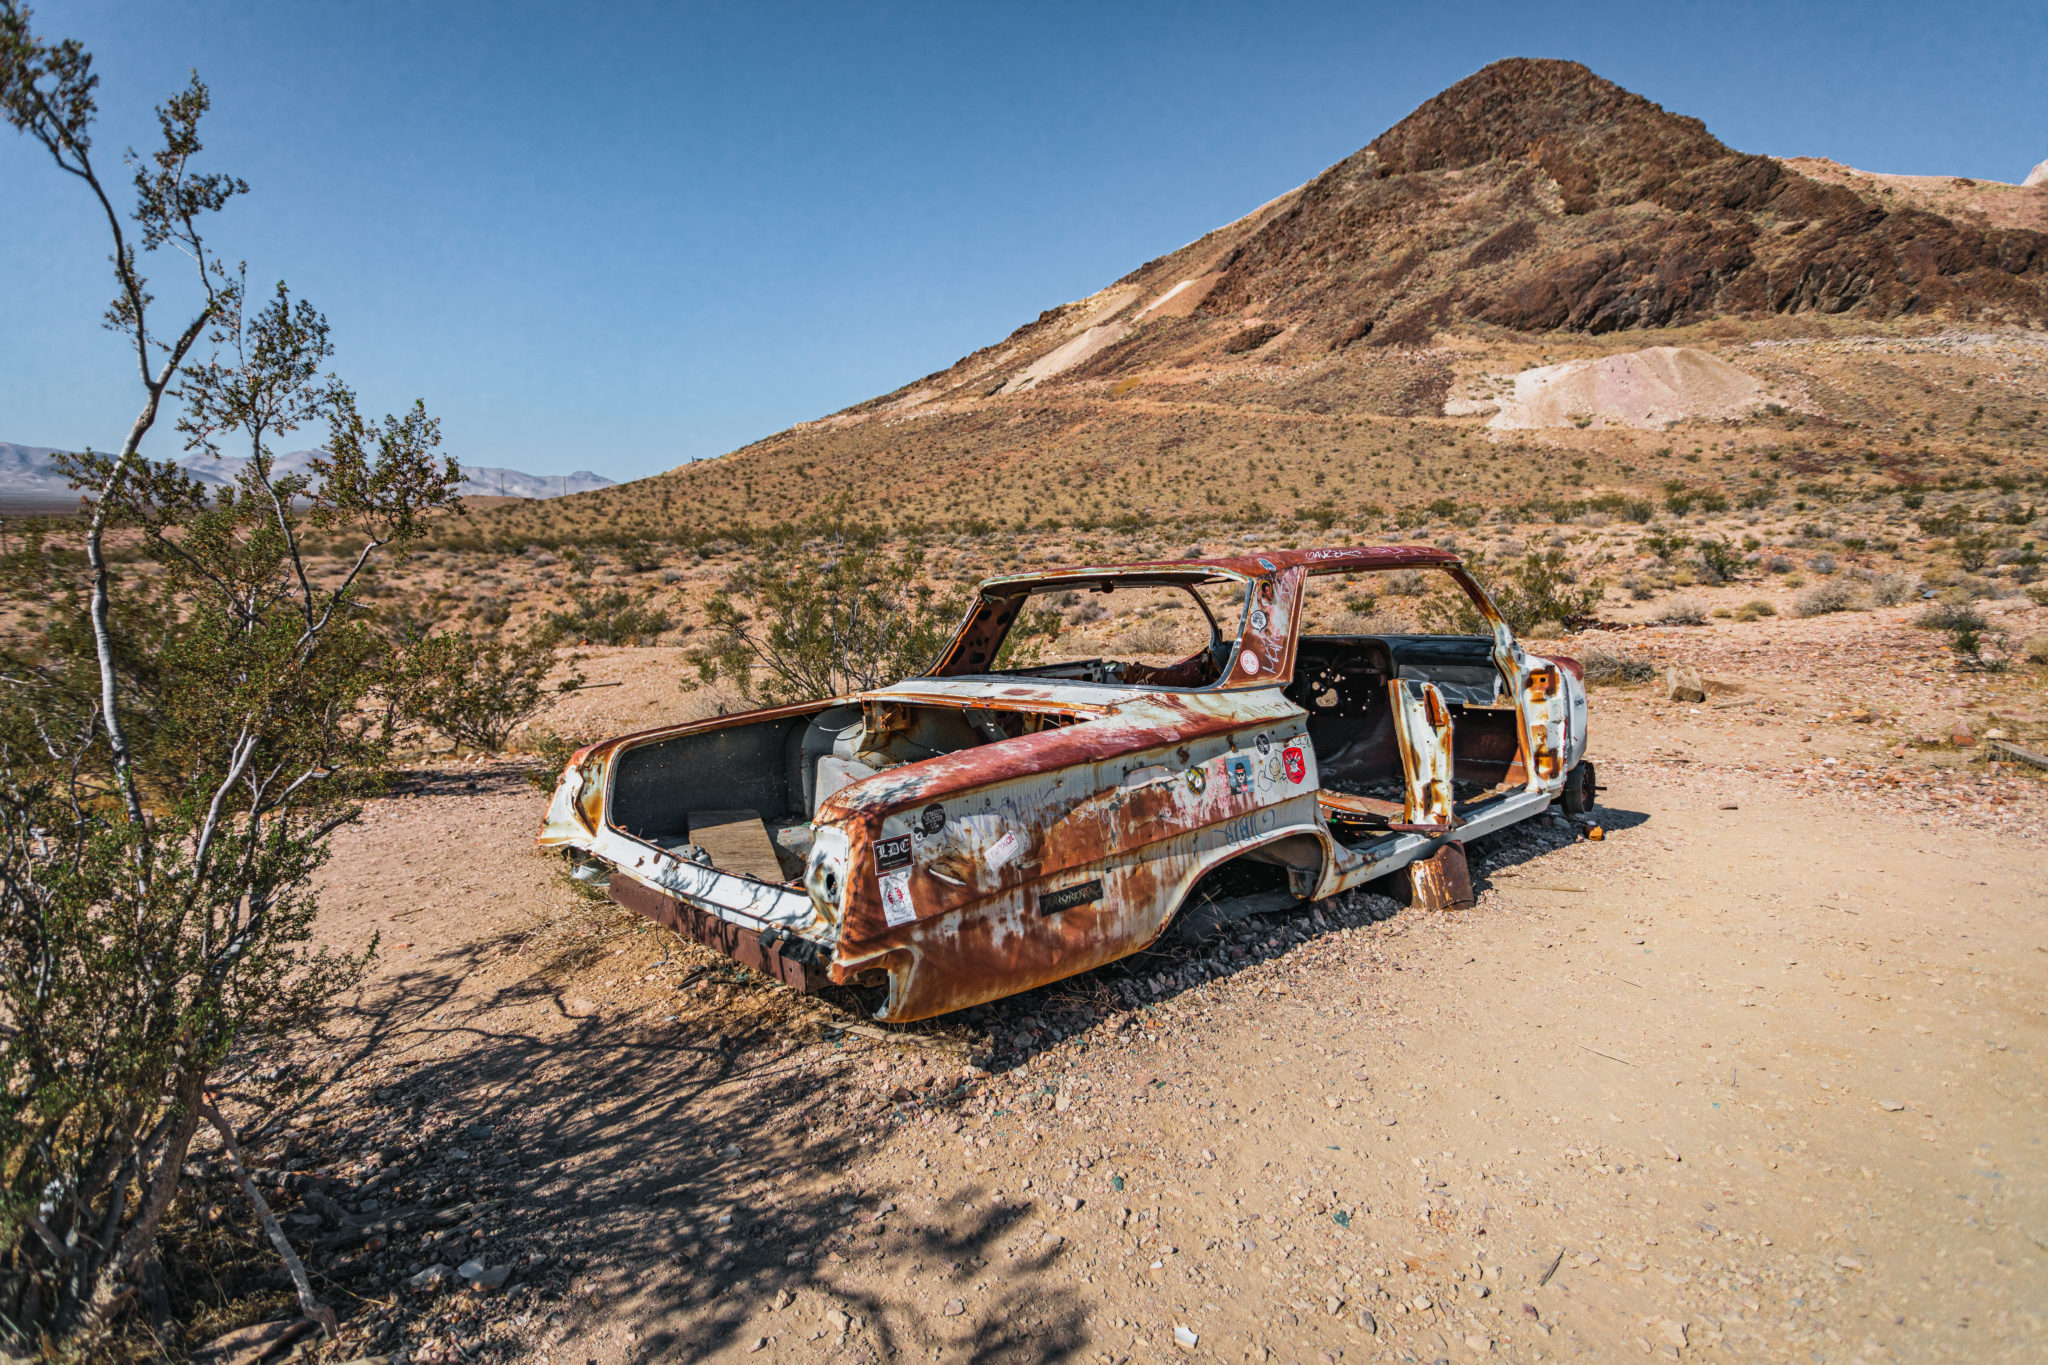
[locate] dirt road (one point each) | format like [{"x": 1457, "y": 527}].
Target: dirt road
[{"x": 1759, "y": 1076}]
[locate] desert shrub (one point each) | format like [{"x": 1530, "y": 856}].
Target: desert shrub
[
  {"x": 1665, "y": 544},
  {"x": 1718, "y": 560},
  {"x": 1972, "y": 551},
  {"x": 2035, "y": 650},
  {"x": 1755, "y": 610},
  {"x": 1778, "y": 564},
  {"x": 1710, "y": 502},
  {"x": 1404, "y": 583},
  {"x": 1638, "y": 510},
  {"x": 1975, "y": 642},
  {"x": 1823, "y": 599},
  {"x": 1603, "y": 665},
  {"x": 1822, "y": 564},
  {"x": 640, "y": 556},
  {"x": 478, "y": 687},
  {"x": 1542, "y": 590},
  {"x": 798, "y": 626},
  {"x": 1681, "y": 611},
  {"x": 2038, "y": 596},
  {"x": 614, "y": 617},
  {"x": 551, "y": 753},
  {"x": 1638, "y": 591},
  {"x": 176, "y": 747},
  {"x": 1888, "y": 590}
]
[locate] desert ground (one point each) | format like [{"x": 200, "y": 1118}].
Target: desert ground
[{"x": 1757, "y": 1074}]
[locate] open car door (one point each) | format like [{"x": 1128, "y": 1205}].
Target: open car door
[{"x": 1422, "y": 727}]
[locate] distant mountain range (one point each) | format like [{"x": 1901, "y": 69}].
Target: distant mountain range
[{"x": 28, "y": 476}]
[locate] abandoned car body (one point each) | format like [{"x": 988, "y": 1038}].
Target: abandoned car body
[{"x": 999, "y": 823}]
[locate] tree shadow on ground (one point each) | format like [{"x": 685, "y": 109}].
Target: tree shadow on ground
[{"x": 657, "y": 1177}]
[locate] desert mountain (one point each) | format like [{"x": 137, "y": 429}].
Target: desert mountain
[
  {"x": 1533, "y": 214},
  {"x": 29, "y": 478}
]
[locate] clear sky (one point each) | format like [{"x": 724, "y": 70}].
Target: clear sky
[{"x": 618, "y": 237}]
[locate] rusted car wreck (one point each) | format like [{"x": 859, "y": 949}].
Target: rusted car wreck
[{"x": 1002, "y": 822}]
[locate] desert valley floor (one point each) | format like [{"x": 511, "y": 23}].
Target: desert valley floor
[{"x": 1758, "y": 1075}]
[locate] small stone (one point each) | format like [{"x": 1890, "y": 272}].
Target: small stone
[
  {"x": 1890, "y": 1106},
  {"x": 1333, "y": 1305},
  {"x": 428, "y": 1278},
  {"x": 1673, "y": 1330},
  {"x": 480, "y": 1130},
  {"x": 1185, "y": 1338},
  {"x": 757, "y": 1344},
  {"x": 1368, "y": 1321},
  {"x": 954, "y": 1308},
  {"x": 1073, "y": 1203},
  {"x": 783, "y": 1299},
  {"x": 469, "y": 1270},
  {"x": 1476, "y": 1342},
  {"x": 838, "y": 1321},
  {"x": 1683, "y": 684}
]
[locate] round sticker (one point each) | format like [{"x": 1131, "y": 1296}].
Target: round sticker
[
  {"x": 1265, "y": 743},
  {"x": 1250, "y": 664},
  {"x": 1258, "y": 619},
  {"x": 933, "y": 819}
]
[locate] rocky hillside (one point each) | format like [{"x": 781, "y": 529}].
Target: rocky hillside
[{"x": 1532, "y": 214}]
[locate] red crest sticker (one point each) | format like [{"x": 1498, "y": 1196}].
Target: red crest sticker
[{"x": 1296, "y": 761}]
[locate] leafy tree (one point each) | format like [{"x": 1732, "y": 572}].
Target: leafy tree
[
  {"x": 825, "y": 624},
  {"x": 176, "y": 746}
]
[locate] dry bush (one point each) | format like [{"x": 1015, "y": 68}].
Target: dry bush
[
  {"x": 2035, "y": 651},
  {"x": 1681, "y": 611},
  {"x": 1603, "y": 665},
  {"x": 1888, "y": 590},
  {"x": 1823, "y": 599},
  {"x": 1755, "y": 610}
]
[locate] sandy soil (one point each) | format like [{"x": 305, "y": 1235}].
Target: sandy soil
[{"x": 1757, "y": 1076}]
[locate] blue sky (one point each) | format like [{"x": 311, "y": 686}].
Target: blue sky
[{"x": 619, "y": 237}]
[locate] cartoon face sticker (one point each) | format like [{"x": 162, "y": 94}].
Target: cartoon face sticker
[
  {"x": 1258, "y": 619},
  {"x": 1296, "y": 762},
  {"x": 1198, "y": 781},
  {"x": 1265, "y": 743},
  {"x": 1239, "y": 769}
]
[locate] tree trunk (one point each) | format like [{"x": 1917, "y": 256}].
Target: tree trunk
[{"x": 308, "y": 1304}]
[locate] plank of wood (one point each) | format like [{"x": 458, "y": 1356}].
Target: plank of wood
[
  {"x": 737, "y": 841},
  {"x": 2007, "y": 749}
]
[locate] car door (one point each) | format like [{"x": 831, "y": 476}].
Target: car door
[{"x": 1422, "y": 727}]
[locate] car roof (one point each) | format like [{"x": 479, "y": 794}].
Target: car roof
[{"x": 1328, "y": 559}]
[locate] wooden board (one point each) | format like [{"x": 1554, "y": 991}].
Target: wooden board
[{"x": 738, "y": 842}]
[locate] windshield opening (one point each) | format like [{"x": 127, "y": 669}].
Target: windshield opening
[{"x": 1113, "y": 630}]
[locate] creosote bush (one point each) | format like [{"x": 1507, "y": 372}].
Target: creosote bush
[
  {"x": 798, "y": 625},
  {"x": 1825, "y": 598},
  {"x": 176, "y": 747}
]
